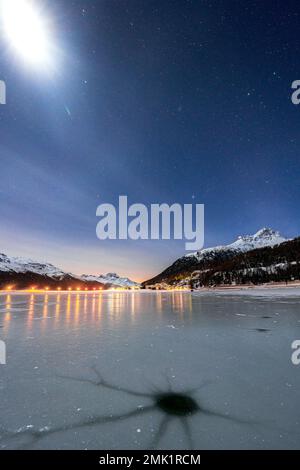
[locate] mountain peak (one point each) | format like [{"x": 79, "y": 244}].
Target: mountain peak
[
  {"x": 264, "y": 237},
  {"x": 202, "y": 260},
  {"x": 266, "y": 232},
  {"x": 113, "y": 275},
  {"x": 15, "y": 265},
  {"x": 110, "y": 278}
]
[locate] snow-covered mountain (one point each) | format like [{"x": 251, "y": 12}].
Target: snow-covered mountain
[
  {"x": 110, "y": 278},
  {"x": 201, "y": 259},
  {"x": 19, "y": 270},
  {"x": 262, "y": 238},
  {"x": 23, "y": 265}
]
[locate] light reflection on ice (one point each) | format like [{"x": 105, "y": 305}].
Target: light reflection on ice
[{"x": 50, "y": 398}]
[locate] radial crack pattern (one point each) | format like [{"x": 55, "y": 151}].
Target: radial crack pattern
[{"x": 172, "y": 405}]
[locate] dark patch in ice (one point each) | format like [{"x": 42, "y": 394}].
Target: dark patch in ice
[
  {"x": 262, "y": 330},
  {"x": 172, "y": 405},
  {"x": 177, "y": 404}
]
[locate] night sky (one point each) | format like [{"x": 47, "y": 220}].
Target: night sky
[{"x": 182, "y": 101}]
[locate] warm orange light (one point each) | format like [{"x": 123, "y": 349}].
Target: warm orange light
[
  {"x": 46, "y": 288},
  {"x": 59, "y": 288},
  {"x": 78, "y": 288},
  {"x": 86, "y": 288},
  {"x": 70, "y": 288},
  {"x": 9, "y": 287}
]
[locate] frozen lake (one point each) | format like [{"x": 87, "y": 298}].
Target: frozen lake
[{"x": 142, "y": 370}]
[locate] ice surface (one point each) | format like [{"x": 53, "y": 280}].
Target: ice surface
[{"x": 85, "y": 371}]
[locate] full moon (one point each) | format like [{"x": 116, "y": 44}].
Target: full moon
[{"x": 26, "y": 30}]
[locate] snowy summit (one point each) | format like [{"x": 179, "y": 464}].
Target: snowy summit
[{"x": 264, "y": 237}]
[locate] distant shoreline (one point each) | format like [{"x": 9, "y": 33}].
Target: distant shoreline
[
  {"x": 242, "y": 289},
  {"x": 271, "y": 285}
]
